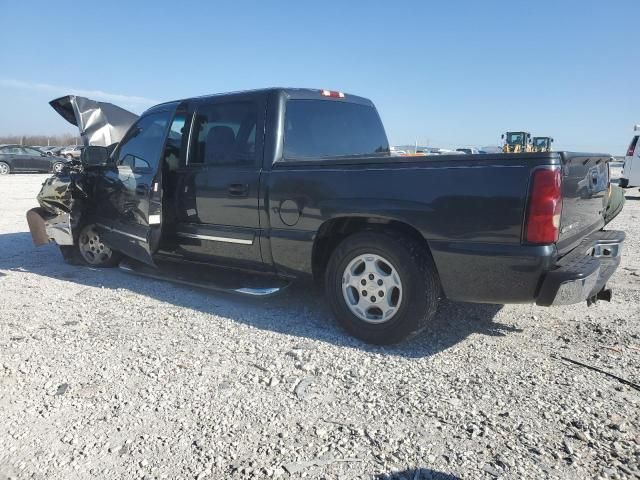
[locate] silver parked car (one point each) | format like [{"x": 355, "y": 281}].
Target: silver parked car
[{"x": 72, "y": 151}]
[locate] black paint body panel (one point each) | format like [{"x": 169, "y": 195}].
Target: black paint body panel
[{"x": 470, "y": 209}]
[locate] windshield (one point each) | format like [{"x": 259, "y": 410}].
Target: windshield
[
  {"x": 540, "y": 142},
  {"x": 515, "y": 138}
]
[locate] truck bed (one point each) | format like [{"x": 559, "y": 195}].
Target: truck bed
[{"x": 470, "y": 209}]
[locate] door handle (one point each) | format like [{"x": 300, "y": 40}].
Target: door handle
[{"x": 238, "y": 190}]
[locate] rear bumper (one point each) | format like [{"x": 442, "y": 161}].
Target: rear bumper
[{"x": 582, "y": 273}]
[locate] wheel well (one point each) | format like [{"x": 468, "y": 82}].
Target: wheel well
[{"x": 334, "y": 231}]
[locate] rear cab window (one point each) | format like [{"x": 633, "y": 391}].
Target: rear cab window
[{"x": 325, "y": 129}]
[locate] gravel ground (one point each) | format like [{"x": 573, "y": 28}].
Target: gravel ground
[{"x": 107, "y": 375}]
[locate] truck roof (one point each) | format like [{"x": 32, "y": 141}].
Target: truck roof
[{"x": 287, "y": 93}]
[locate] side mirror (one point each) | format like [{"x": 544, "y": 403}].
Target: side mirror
[
  {"x": 552, "y": 140},
  {"x": 502, "y": 136},
  {"x": 94, "y": 156}
]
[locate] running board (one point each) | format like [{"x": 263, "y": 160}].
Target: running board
[{"x": 218, "y": 279}]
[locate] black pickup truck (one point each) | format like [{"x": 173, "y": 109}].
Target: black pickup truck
[{"x": 301, "y": 183}]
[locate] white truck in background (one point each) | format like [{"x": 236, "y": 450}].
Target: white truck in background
[{"x": 631, "y": 171}]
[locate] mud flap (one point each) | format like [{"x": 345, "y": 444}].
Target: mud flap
[
  {"x": 45, "y": 227},
  {"x": 37, "y": 226}
]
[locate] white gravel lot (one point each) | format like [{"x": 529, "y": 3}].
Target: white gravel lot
[{"x": 107, "y": 375}]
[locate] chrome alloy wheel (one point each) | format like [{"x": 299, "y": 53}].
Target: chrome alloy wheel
[
  {"x": 372, "y": 288},
  {"x": 93, "y": 251},
  {"x": 4, "y": 169}
]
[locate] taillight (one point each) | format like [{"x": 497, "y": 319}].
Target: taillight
[
  {"x": 632, "y": 146},
  {"x": 545, "y": 205},
  {"x": 331, "y": 94}
]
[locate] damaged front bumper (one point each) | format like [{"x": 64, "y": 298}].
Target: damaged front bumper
[
  {"x": 61, "y": 200},
  {"x": 583, "y": 273},
  {"x": 46, "y": 227},
  {"x": 64, "y": 196}
]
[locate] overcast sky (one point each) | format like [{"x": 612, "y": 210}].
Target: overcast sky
[{"x": 441, "y": 73}]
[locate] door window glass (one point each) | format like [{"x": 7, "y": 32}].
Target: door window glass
[
  {"x": 31, "y": 151},
  {"x": 141, "y": 147},
  {"x": 224, "y": 134},
  {"x": 175, "y": 149}
]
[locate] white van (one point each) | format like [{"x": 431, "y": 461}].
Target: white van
[{"x": 631, "y": 172}]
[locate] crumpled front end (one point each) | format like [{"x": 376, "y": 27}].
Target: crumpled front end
[
  {"x": 100, "y": 123},
  {"x": 61, "y": 200},
  {"x": 64, "y": 196}
]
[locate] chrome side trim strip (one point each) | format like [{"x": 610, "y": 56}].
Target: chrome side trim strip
[
  {"x": 126, "y": 234},
  {"x": 215, "y": 239}
]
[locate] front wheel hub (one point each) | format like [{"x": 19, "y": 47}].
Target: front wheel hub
[
  {"x": 372, "y": 288},
  {"x": 93, "y": 251}
]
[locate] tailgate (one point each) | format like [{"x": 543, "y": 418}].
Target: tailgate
[{"x": 585, "y": 183}]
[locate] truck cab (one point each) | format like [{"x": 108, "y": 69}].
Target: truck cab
[{"x": 188, "y": 178}]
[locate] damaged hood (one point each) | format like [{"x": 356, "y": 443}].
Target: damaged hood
[{"x": 100, "y": 123}]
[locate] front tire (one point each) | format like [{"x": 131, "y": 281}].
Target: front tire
[
  {"x": 89, "y": 250},
  {"x": 623, "y": 182},
  {"x": 57, "y": 167},
  {"x": 5, "y": 168},
  {"x": 382, "y": 289}
]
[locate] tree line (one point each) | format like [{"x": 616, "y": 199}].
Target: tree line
[{"x": 41, "y": 140}]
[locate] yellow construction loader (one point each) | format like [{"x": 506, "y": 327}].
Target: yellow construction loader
[
  {"x": 517, "y": 142},
  {"x": 542, "y": 144}
]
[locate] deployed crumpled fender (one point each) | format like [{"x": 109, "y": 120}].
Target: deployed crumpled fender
[
  {"x": 61, "y": 200},
  {"x": 64, "y": 196}
]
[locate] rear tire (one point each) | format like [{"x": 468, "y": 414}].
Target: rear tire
[
  {"x": 382, "y": 289},
  {"x": 5, "y": 168}
]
